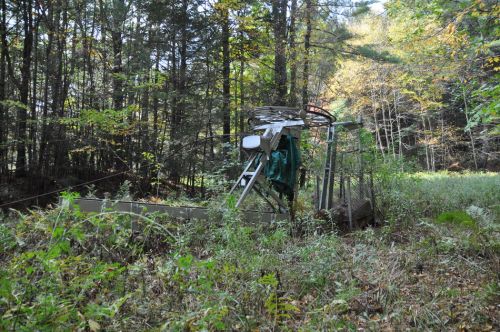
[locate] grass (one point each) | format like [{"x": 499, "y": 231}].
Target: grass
[
  {"x": 458, "y": 218},
  {"x": 62, "y": 270},
  {"x": 410, "y": 196}
]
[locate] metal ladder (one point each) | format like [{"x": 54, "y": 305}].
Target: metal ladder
[{"x": 253, "y": 179}]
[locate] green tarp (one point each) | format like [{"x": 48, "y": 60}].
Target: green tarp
[{"x": 282, "y": 167}]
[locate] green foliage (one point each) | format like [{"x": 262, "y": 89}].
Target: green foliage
[
  {"x": 7, "y": 239},
  {"x": 108, "y": 121},
  {"x": 64, "y": 270},
  {"x": 457, "y": 218},
  {"x": 371, "y": 53},
  {"x": 123, "y": 192},
  {"x": 361, "y": 8},
  {"x": 231, "y": 202},
  {"x": 9, "y": 103},
  {"x": 404, "y": 197},
  {"x": 277, "y": 307},
  {"x": 69, "y": 196},
  {"x": 487, "y": 107}
]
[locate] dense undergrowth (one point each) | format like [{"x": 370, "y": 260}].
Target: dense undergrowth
[{"x": 433, "y": 264}]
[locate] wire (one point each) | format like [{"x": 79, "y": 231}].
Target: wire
[
  {"x": 103, "y": 178},
  {"x": 15, "y": 143},
  {"x": 181, "y": 146},
  {"x": 60, "y": 190}
]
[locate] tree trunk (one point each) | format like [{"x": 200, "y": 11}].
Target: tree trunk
[
  {"x": 154, "y": 138},
  {"x": 242, "y": 99},
  {"x": 279, "y": 17},
  {"x": 427, "y": 159},
  {"x": 179, "y": 98},
  {"x": 22, "y": 111},
  {"x": 431, "y": 134},
  {"x": 117, "y": 44},
  {"x": 3, "y": 77},
  {"x": 144, "y": 125},
  {"x": 226, "y": 93},
  {"x": 307, "y": 49},
  {"x": 33, "y": 127},
  {"x": 293, "y": 55},
  {"x": 236, "y": 115},
  {"x": 60, "y": 144},
  {"x": 118, "y": 18},
  {"x": 43, "y": 159},
  {"x": 466, "y": 111},
  {"x": 384, "y": 122}
]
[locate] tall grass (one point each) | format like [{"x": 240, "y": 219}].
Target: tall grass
[
  {"x": 410, "y": 196},
  {"x": 61, "y": 269}
]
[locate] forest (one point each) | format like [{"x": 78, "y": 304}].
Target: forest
[{"x": 149, "y": 101}]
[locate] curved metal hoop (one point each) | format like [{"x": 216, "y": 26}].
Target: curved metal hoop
[
  {"x": 318, "y": 117},
  {"x": 313, "y": 116}
]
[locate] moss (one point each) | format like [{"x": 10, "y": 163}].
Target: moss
[{"x": 458, "y": 218}]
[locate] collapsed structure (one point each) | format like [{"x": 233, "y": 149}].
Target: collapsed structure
[{"x": 344, "y": 189}]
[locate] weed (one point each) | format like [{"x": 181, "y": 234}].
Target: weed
[
  {"x": 457, "y": 218},
  {"x": 61, "y": 269},
  {"x": 276, "y": 306}
]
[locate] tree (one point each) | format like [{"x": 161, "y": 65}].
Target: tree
[
  {"x": 226, "y": 64},
  {"x": 279, "y": 13},
  {"x": 23, "y": 86}
]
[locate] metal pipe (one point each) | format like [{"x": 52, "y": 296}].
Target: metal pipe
[
  {"x": 349, "y": 203},
  {"x": 326, "y": 170},
  {"x": 333, "y": 158}
]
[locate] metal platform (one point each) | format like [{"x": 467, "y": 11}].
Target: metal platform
[
  {"x": 273, "y": 123},
  {"x": 183, "y": 212},
  {"x": 343, "y": 164}
]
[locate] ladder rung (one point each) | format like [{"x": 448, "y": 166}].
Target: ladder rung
[{"x": 248, "y": 173}]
